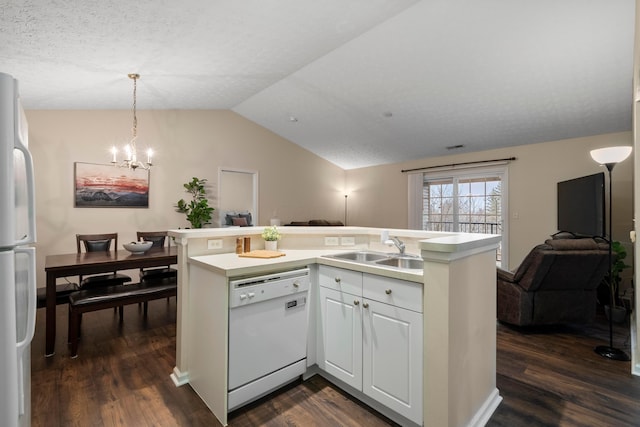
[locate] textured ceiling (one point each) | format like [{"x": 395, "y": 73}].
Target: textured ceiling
[{"x": 358, "y": 82}]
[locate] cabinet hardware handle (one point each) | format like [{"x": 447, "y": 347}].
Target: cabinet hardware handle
[
  {"x": 295, "y": 284},
  {"x": 356, "y": 302},
  {"x": 365, "y": 304},
  {"x": 337, "y": 279},
  {"x": 388, "y": 291}
]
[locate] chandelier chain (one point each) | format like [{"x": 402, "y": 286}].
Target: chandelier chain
[
  {"x": 135, "y": 118},
  {"x": 131, "y": 153}
]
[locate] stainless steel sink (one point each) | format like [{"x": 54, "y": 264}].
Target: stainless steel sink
[
  {"x": 405, "y": 262},
  {"x": 402, "y": 262},
  {"x": 361, "y": 256}
]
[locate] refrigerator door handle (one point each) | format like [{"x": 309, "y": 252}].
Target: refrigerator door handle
[
  {"x": 31, "y": 320},
  {"x": 31, "y": 297},
  {"x": 31, "y": 193}
]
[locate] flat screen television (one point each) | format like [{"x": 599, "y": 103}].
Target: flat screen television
[{"x": 581, "y": 205}]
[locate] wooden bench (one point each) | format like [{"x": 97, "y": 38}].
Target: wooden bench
[{"x": 84, "y": 301}]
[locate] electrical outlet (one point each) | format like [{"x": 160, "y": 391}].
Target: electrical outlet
[
  {"x": 214, "y": 244},
  {"x": 348, "y": 241},
  {"x": 331, "y": 241}
]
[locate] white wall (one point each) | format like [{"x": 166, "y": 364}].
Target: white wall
[
  {"x": 294, "y": 183},
  {"x": 378, "y": 195}
]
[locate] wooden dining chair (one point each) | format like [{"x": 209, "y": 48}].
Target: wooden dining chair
[
  {"x": 91, "y": 242},
  {"x": 158, "y": 238},
  {"x": 149, "y": 275},
  {"x": 96, "y": 243}
]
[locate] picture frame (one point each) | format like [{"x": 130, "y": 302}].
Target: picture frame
[{"x": 108, "y": 186}]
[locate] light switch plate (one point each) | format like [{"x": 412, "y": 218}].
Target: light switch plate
[
  {"x": 348, "y": 241},
  {"x": 331, "y": 241},
  {"x": 214, "y": 244}
]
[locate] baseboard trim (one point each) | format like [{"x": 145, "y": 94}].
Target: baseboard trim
[
  {"x": 179, "y": 378},
  {"x": 483, "y": 415}
]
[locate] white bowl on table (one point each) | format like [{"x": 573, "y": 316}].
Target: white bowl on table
[{"x": 137, "y": 248}]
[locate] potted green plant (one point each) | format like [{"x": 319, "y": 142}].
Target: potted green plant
[
  {"x": 617, "y": 311},
  {"x": 271, "y": 235},
  {"x": 198, "y": 210}
]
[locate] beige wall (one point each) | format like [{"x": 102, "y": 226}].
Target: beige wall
[
  {"x": 294, "y": 184},
  {"x": 378, "y": 195}
]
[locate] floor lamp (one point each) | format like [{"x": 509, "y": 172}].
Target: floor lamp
[
  {"x": 345, "y": 208},
  {"x": 609, "y": 157}
]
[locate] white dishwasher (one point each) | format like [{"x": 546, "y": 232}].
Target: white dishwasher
[{"x": 267, "y": 333}]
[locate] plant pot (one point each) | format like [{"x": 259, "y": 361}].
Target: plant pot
[
  {"x": 619, "y": 313},
  {"x": 271, "y": 245}
]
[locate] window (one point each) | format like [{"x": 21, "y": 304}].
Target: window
[{"x": 468, "y": 201}]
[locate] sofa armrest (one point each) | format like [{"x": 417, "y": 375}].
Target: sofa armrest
[{"x": 504, "y": 275}]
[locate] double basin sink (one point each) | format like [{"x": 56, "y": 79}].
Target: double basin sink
[{"x": 400, "y": 261}]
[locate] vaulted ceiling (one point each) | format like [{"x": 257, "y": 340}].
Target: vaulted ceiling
[{"x": 358, "y": 82}]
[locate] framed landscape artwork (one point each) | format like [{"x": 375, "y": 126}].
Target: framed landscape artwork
[{"x": 107, "y": 186}]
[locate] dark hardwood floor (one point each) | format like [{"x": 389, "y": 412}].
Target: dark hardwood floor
[
  {"x": 552, "y": 377},
  {"x": 547, "y": 377}
]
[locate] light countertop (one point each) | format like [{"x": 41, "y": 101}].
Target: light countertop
[{"x": 232, "y": 265}]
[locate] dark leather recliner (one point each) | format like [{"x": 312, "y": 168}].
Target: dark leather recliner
[{"x": 556, "y": 283}]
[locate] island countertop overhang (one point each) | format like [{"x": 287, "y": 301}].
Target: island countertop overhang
[
  {"x": 305, "y": 245},
  {"x": 231, "y": 265}
]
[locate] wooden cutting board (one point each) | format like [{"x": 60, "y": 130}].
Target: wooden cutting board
[{"x": 262, "y": 253}]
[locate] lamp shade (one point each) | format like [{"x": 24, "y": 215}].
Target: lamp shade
[{"x": 610, "y": 155}]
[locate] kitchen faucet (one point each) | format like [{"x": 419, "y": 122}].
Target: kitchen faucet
[{"x": 399, "y": 244}]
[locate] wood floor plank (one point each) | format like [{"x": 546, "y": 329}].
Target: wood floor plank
[
  {"x": 112, "y": 414},
  {"x": 546, "y": 376},
  {"x": 552, "y": 377}
]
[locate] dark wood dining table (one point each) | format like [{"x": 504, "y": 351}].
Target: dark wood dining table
[{"x": 85, "y": 263}]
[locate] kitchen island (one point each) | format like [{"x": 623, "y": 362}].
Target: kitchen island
[{"x": 458, "y": 304}]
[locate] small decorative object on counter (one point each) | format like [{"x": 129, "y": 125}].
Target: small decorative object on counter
[
  {"x": 271, "y": 245},
  {"x": 247, "y": 244},
  {"x": 271, "y": 235},
  {"x": 239, "y": 245}
]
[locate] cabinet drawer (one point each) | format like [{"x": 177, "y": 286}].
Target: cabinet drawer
[
  {"x": 396, "y": 292},
  {"x": 340, "y": 279}
]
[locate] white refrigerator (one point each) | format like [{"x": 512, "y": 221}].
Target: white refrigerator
[{"x": 17, "y": 258}]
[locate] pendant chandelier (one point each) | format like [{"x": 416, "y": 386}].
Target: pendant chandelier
[{"x": 130, "y": 151}]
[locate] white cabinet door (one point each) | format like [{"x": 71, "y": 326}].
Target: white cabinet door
[
  {"x": 341, "y": 332},
  {"x": 392, "y": 357}
]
